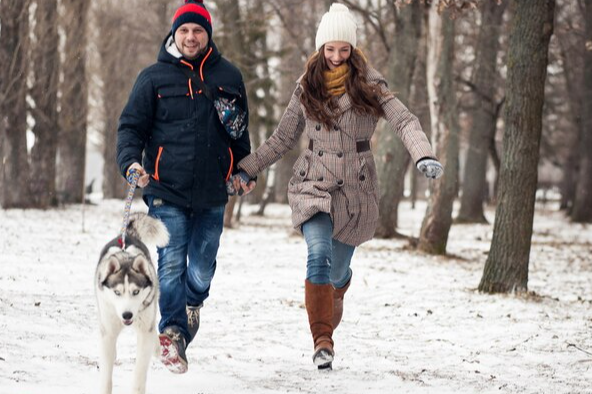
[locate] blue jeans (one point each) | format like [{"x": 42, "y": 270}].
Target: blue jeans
[
  {"x": 187, "y": 264},
  {"x": 328, "y": 259}
]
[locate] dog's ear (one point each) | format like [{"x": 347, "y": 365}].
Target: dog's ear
[
  {"x": 108, "y": 267},
  {"x": 143, "y": 266}
]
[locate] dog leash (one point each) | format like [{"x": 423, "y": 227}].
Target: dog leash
[{"x": 132, "y": 179}]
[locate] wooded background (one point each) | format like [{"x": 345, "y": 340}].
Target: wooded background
[{"x": 503, "y": 88}]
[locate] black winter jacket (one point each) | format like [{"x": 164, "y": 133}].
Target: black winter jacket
[{"x": 173, "y": 129}]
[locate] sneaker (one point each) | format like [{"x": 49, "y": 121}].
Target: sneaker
[
  {"x": 172, "y": 350},
  {"x": 193, "y": 319}
]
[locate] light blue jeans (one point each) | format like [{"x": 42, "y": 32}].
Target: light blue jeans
[
  {"x": 328, "y": 259},
  {"x": 186, "y": 266}
]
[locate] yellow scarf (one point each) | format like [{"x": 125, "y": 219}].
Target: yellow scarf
[{"x": 335, "y": 79}]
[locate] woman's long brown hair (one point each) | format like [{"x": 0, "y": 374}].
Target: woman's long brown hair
[{"x": 321, "y": 106}]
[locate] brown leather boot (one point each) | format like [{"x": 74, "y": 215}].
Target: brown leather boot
[
  {"x": 319, "y": 306},
  {"x": 338, "y": 295}
]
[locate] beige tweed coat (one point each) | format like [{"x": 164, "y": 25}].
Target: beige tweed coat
[{"x": 334, "y": 177}]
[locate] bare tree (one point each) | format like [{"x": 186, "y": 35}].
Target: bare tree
[
  {"x": 297, "y": 44},
  {"x": 483, "y": 114},
  {"x": 572, "y": 48},
  {"x": 117, "y": 74},
  {"x": 438, "y": 219},
  {"x": 14, "y": 41},
  {"x": 247, "y": 27},
  {"x": 582, "y": 211},
  {"x": 45, "y": 57},
  {"x": 506, "y": 268},
  {"x": 73, "y": 103},
  {"x": 420, "y": 103},
  {"x": 393, "y": 158},
  {"x": 232, "y": 41}
]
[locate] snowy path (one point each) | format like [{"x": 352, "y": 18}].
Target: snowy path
[{"x": 412, "y": 323}]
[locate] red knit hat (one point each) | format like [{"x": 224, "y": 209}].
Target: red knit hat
[{"x": 193, "y": 11}]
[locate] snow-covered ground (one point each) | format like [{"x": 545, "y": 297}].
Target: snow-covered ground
[{"x": 412, "y": 324}]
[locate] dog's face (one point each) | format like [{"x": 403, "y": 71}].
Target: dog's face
[{"x": 125, "y": 282}]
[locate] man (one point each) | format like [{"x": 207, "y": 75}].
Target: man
[{"x": 171, "y": 124}]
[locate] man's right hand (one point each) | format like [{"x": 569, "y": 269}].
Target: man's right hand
[{"x": 144, "y": 177}]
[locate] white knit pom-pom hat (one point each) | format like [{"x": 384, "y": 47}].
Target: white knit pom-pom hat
[{"x": 336, "y": 25}]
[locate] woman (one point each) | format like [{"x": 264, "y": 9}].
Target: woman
[{"x": 334, "y": 191}]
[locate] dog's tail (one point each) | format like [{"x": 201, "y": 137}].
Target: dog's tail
[{"x": 148, "y": 229}]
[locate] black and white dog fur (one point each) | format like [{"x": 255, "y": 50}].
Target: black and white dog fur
[{"x": 126, "y": 287}]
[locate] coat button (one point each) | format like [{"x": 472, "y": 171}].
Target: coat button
[
  {"x": 340, "y": 182},
  {"x": 318, "y": 127},
  {"x": 362, "y": 177},
  {"x": 320, "y": 153},
  {"x": 336, "y": 128},
  {"x": 340, "y": 154},
  {"x": 302, "y": 173}
]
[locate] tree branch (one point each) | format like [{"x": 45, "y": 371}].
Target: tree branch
[
  {"x": 286, "y": 26},
  {"x": 375, "y": 23}
]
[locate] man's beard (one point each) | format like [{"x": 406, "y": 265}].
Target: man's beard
[{"x": 200, "y": 51}]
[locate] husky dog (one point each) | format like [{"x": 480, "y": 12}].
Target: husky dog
[{"x": 126, "y": 287}]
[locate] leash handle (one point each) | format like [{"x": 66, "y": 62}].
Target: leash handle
[{"x": 132, "y": 179}]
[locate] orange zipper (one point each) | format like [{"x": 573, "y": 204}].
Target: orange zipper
[
  {"x": 155, "y": 176},
  {"x": 231, "y": 165}
]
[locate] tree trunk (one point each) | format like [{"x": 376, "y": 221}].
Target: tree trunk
[
  {"x": 436, "y": 224},
  {"x": 15, "y": 176},
  {"x": 506, "y": 268},
  {"x": 116, "y": 85},
  {"x": 420, "y": 104},
  {"x": 582, "y": 210},
  {"x": 234, "y": 41},
  {"x": 269, "y": 194},
  {"x": 246, "y": 27},
  {"x": 393, "y": 158},
  {"x": 74, "y": 104},
  {"x": 483, "y": 116},
  {"x": 229, "y": 211},
  {"x": 573, "y": 68},
  {"x": 268, "y": 121},
  {"x": 295, "y": 24},
  {"x": 45, "y": 57},
  {"x": 494, "y": 156}
]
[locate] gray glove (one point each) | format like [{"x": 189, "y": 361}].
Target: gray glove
[
  {"x": 244, "y": 179},
  {"x": 430, "y": 168}
]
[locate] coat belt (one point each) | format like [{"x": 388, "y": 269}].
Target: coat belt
[{"x": 361, "y": 146}]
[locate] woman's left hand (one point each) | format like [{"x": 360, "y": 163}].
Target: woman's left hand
[
  {"x": 242, "y": 183},
  {"x": 430, "y": 168}
]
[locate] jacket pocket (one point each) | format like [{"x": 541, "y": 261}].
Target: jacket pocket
[
  {"x": 174, "y": 103},
  {"x": 229, "y": 91},
  {"x": 232, "y": 115},
  {"x": 367, "y": 177},
  {"x": 301, "y": 168}
]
